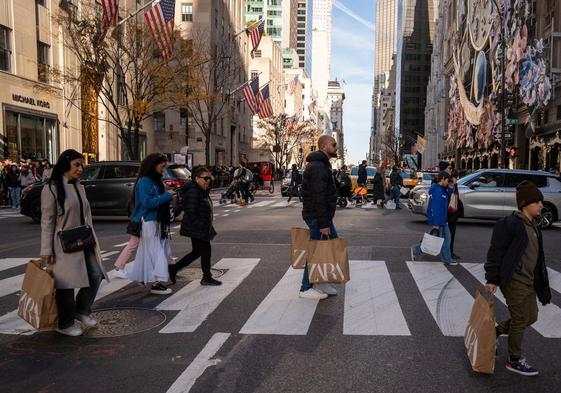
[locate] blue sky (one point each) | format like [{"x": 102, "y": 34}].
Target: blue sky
[{"x": 352, "y": 60}]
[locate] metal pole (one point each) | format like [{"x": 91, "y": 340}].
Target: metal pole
[{"x": 153, "y": 3}]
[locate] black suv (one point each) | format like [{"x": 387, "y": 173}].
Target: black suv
[{"x": 108, "y": 186}]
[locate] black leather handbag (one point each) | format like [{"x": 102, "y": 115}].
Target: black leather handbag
[{"x": 80, "y": 238}]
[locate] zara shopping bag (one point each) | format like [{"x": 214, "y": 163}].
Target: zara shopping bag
[
  {"x": 328, "y": 261},
  {"x": 299, "y": 247},
  {"x": 480, "y": 336},
  {"x": 37, "y": 304},
  {"x": 431, "y": 244}
]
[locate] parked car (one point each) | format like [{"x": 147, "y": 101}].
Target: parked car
[
  {"x": 491, "y": 194},
  {"x": 108, "y": 186},
  {"x": 285, "y": 183},
  {"x": 370, "y": 173}
]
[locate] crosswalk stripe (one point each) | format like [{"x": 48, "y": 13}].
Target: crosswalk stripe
[
  {"x": 549, "y": 317},
  {"x": 371, "y": 304},
  {"x": 11, "y": 323},
  {"x": 11, "y": 285},
  {"x": 285, "y": 204},
  {"x": 262, "y": 203},
  {"x": 282, "y": 311},
  {"x": 448, "y": 301},
  {"x": 121, "y": 244},
  {"x": 196, "y": 302},
  {"x": 8, "y": 263},
  {"x": 554, "y": 279},
  {"x": 187, "y": 379},
  {"x": 108, "y": 254}
]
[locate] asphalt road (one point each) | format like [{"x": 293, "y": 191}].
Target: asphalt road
[{"x": 395, "y": 327}]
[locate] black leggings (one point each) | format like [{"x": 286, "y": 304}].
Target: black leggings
[{"x": 201, "y": 248}]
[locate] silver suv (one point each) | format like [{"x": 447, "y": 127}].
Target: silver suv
[{"x": 491, "y": 194}]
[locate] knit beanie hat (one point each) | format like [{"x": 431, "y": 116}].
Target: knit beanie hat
[
  {"x": 442, "y": 165},
  {"x": 527, "y": 193}
]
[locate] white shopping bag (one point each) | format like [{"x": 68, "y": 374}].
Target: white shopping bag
[
  {"x": 404, "y": 191},
  {"x": 431, "y": 245},
  {"x": 390, "y": 205}
]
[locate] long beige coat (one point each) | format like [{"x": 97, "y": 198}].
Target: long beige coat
[{"x": 70, "y": 268}]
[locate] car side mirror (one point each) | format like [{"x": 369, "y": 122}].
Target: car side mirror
[{"x": 474, "y": 185}]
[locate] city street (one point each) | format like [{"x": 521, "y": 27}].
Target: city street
[{"x": 396, "y": 326}]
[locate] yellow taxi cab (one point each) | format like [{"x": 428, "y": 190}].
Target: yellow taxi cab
[
  {"x": 370, "y": 173},
  {"x": 409, "y": 177}
]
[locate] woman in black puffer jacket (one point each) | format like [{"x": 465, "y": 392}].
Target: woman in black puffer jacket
[{"x": 197, "y": 224}]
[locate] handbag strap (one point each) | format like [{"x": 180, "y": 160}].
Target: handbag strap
[{"x": 82, "y": 218}]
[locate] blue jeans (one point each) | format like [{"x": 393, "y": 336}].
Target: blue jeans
[
  {"x": 443, "y": 231},
  {"x": 315, "y": 234},
  {"x": 15, "y": 195},
  {"x": 395, "y": 193}
]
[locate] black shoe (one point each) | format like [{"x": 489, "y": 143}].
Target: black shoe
[
  {"x": 455, "y": 256},
  {"x": 210, "y": 281},
  {"x": 172, "y": 273},
  {"x": 160, "y": 289}
]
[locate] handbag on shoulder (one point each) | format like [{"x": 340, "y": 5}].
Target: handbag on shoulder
[{"x": 80, "y": 238}]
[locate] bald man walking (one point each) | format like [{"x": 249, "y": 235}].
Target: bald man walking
[{"x": 319, "y": 197}]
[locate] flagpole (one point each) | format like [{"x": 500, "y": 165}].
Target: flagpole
[
  {"x": 245, "y": 83},
  {"x": 152, "y": 3},
  {"x": 246, "y": 28}
]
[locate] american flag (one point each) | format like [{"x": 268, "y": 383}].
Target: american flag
[
  {"x": 292, "y": 122},
  {"x": 264, "y": 102},
  {"x": 311, "y": 107},
  {"x": 293, "y": 84},
  {"x": 110, "y": 16},
  {"x": 255, "y": 34},
  {"x": 251, "y": 91},
  {"x": 160, "y": 22}
]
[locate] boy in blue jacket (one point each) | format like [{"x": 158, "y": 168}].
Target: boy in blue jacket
[{"x": 437, "y": 217}]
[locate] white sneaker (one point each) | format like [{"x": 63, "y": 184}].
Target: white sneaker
[
  {"x": 312, "y": 294},
  {"x": 327, "y": 289},
  {"x": 86, "y": 320},
  {"x": 120, "y": 274},
  {"x": 72, "y": 331}
]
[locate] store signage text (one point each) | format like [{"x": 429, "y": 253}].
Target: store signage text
[{"x": 30, "y": 101}]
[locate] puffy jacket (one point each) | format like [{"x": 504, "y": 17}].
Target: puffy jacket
[
  {"x": 508, "y": 243},
  {"x": 197, "y": 213},
  {"x": 319, "y": 194},
  {"x": 437, "y": 209}
]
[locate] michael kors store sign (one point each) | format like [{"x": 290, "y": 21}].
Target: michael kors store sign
[{"x": 31, "y": 101}]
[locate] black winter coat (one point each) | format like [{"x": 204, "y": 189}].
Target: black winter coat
[
  {"x": 362, "y": 174},
  {"x": 319, "y": 193},
  {"x": 197, "y": 213},
  {"x": 378, "y": 189},
  {"x": 508, "y": 244}
]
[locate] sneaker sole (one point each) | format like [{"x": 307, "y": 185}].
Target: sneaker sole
[
  {"x": 161, "y": 292},
  {"x": 522, "y": 372},
  {"x": 68, "y": 334}
]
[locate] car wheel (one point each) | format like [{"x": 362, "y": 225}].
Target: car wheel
[
  {"x": 548, "y": 216},
  {"x": 35, "y": 210}
]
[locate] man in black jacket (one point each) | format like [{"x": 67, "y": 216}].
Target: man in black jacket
[
  {"x": 319, "y": 196},
  {"x": 516, "y": 263},
  {"x": 362, "y": 174}
]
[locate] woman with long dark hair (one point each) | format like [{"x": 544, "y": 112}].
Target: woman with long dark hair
[
  {"x": 64, "y": 209},
  {"x": 197, "y": 224},
  {"x": 152, "y": 209}
]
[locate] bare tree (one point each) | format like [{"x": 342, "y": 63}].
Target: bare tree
[
  {"x": 283, "y": 138},
  {"x": 122, "y": 72}
]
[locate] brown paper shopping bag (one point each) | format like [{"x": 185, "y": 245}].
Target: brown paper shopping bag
[
  {"x": 328, "y": 261},
  {"x": 480, "y": 337},
  {"x": 298, "y": 247},
  {"x": 37, "y": 304}
]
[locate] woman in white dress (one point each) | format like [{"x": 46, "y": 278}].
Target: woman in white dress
[{"x": 152, "y": 208}]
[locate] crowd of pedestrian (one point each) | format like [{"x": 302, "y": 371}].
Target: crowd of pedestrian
[{"x": 15, "y": 176}]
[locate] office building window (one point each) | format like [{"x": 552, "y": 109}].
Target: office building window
[
  {"x": 159, "y": 121},
  {"x": 257, "y": 53},
  {"x": 5, "y": 49},
  {"x": 254, "y": 74},
  {"x": 186, "y": 12},
  {"x": 43, "y": 61}
]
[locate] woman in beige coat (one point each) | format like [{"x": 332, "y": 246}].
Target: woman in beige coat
[{"x": 63, "y": 202}]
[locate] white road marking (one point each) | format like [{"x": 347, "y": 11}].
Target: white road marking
[
  {"x": 121, "y": 245},
  {"x": 371, "y": 304},
  {"x": 187, "y": 379},
  {"x": 11, "y": 285},
  {"x": 107, "y": 288},
  {"x": 225, "y": 215},
  {"x": 226, "y": 210},
  {"x": 284, "y": 204},
  {"x": 283, "y": 311},
  {"x": 177, "y": 226},
  {"x": 196, "y": 302},
  {"x": 448, "y": 301},
  {"x": 262, "y": 204},
  {"x": 554, "y": 280},
  {"x": 106, "y": 255},
  {"x": 549, "y": 317},
  {"x": 8, "y": 263}
]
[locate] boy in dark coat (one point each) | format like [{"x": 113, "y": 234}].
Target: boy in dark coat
[{"x": 516, "y": 263}]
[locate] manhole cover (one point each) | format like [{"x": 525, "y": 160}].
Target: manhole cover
[
  {"x": 195, "y": 273},
  {"x": 115, "y": 322}
]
